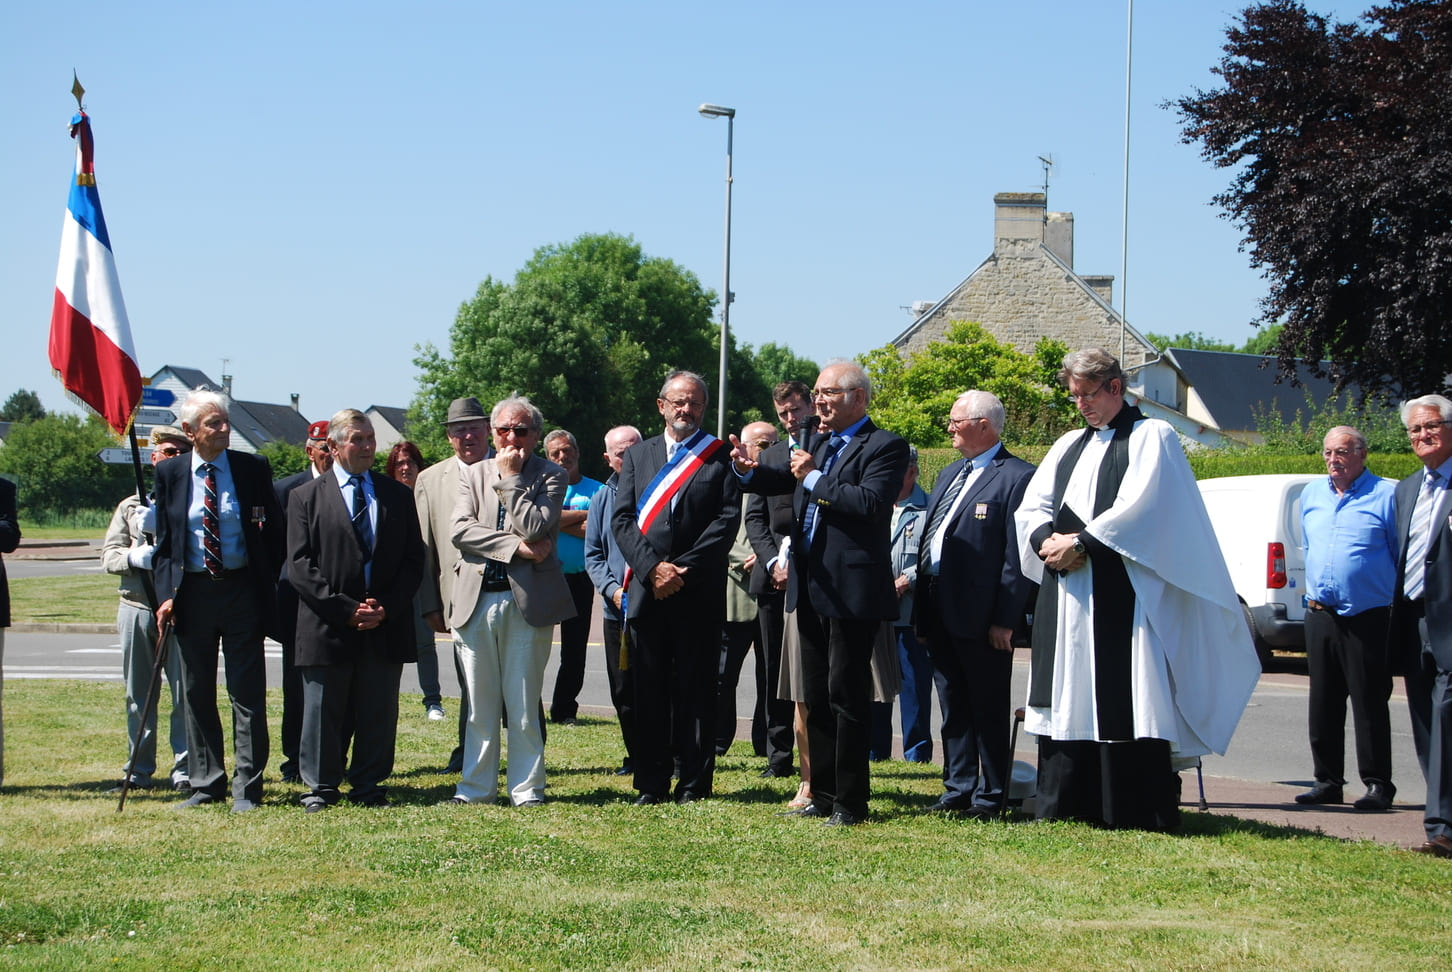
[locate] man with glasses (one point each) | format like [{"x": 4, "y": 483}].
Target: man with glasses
[
  {"x": 676, "y": 514},
  {"x": 509, "y": 594},
  {"x": 1348, "y": 526},
  {"x": 1141, "y": 660},
  {"x": 127, "y": 552},
  {"x": 436, "y": 492},
  {"x": 971, "y": 598},
  {"x": 844, "y": 485},
  {"x": 320, "y": 461},
  {"x": 1422, "y": 608}
]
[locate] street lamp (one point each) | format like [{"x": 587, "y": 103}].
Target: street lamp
[{"x": 716, "y": 111}]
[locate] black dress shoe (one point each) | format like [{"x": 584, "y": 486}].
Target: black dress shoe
[
  {"x": 1439, "y": 846},
  {"x": 844, "y": 819},
  {"x": 648, "y": 799},
  {"x": 980, "y": 812},
  {"x": 1320, "y": 793},
  {"x": 949, "y": 807},
  {"x": 810, "y": 810},
  {"x": 624, "y": 771},
  {"x": 689, "y": 797},
  {"x": 197, "y": 799},
  {"x": 1377, "y": 797}
]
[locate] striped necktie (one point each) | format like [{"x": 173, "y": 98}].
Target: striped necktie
[
  {"x": 211, "y": 522},
  {"x": 809, "y": 519},
  {"x": 1419, "y": 537},
  {"x": 944, "y": 507}
]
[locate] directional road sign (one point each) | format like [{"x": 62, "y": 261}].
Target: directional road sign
[
  {"x": 115, "y": 457},
  {"x": 155, "y": 416},
  {"x": 157, "y": 396}
]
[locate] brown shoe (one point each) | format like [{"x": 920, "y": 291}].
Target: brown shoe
[{"x": 1439, "y": 846}]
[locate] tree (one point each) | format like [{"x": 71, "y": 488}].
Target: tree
[
  {"x": 777, "y": 363},
  {"x": 22, "y": 406},
  {"x": 588, "y": 330},
  {"x": 54, "y": 463},
  {"x": 1342, "y": 145},
  {"x": 912, "y": 397},
  {"x": 1264, "y": 341},
  {"x": 1192, "y": 340}
]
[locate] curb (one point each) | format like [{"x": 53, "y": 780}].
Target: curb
[{"x": 56, "y": 627}]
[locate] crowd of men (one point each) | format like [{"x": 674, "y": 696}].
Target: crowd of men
[{"x": 845, "y": 578}]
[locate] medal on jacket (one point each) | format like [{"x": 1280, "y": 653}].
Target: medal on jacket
[{"x": 259, "y": 516}]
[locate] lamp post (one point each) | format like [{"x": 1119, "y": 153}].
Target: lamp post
[{"x": 716, "y": 111}]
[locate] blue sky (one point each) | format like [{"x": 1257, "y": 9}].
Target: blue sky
[{"x": 310, "y": 189}]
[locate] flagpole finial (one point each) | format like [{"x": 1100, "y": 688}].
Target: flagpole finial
[{"x": 76, "y": 89}]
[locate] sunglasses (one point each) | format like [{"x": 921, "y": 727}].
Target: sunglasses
[{"x": 520, "y": 431}]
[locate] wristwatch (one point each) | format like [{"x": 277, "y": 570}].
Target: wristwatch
[{"x": 1079, "y": 547}]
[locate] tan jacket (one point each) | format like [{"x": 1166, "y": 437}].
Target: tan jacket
[
  {"x": 532, "y": 503},
  {"x": 435, "y": 494}
]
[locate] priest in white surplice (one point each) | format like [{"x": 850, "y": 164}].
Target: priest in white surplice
[{"x": 1141, "y": 657}]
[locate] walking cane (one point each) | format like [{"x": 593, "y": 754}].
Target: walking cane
[{"x": 152, "y": 694}]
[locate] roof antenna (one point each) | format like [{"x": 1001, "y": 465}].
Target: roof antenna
[{"x": 1048, "y": 162}]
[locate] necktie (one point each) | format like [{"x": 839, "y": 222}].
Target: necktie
[
  {"x": 211, "y": 522},
  {"x": 1419, "y": 537},
  {"x": 361, "y": 524},
  {"x": 809, "y": 520},
  {"x": 944, "y": 507}
]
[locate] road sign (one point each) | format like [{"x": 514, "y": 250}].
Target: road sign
[
  {"x": 155, "y": 416},
  {"x": 115, "y": 457},
  {"x": 157, "y": 396}
]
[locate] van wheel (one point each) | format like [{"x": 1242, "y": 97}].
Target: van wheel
[{"x": 1262, "y": 650}]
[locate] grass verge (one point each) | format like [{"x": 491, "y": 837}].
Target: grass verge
[
  {"x": 74, "y": 599},
  {"x": 591, "y": 882}
]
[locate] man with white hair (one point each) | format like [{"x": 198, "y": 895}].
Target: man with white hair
[
  {"x": 1422, "y": 608},
  {"x": 220, "y": 540}
]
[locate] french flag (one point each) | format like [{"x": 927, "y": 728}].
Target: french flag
[{"x": 90, "y": 337}]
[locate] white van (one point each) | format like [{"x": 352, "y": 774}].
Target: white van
[{"x": 1257, "y": 520}]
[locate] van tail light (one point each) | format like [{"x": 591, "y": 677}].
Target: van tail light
[{"x": 1275, "y": 565}]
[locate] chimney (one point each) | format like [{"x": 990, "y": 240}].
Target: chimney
[
  {"x": 1018, "y": 217},
  {"x": 1059, "y": 236},
  {"x": 1103, "y": 285},
  {"x": 295, "y": 398},
  {"x": 227, "y": 385}
]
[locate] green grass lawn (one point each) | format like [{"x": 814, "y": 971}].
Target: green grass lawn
[
  {"x": 591, "y": 882},
  {"x": 73, "y": 599}
]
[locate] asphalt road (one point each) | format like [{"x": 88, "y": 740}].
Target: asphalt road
[{"x": 1269, "y": 746}]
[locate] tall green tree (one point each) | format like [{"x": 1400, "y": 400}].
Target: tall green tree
[
  {"x": 1193, "y": 340},
  {"x": 53, "y": 461},
  {"x": 22, "y": 406},
  {"x": 588, "y": 330},
  {"x": 913, "y": 396},
  {"x": 777, "y": 363},
  {"x": 1339, "y": 140}
]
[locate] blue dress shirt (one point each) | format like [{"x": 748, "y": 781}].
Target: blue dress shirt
[{"x": 1350, "y": 543}]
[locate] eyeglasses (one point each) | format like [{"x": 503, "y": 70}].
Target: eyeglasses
[
  {"x": 1088, "y": 396},
  {"x": 1415, "y": 430},
  {"x": 519, "y": 431},
  {"x": 170, "y": 451},
  {"x": 683, "y": 404},
  {"x": 954, "y": 424},
  {"x": 1338, "y": 453},
  {"x": 828, "y": 392}
]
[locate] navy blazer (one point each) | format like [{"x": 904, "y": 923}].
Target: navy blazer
[
  {"x": 263, "y": 529},
  {"x": 979, "y": 569},
  {"x": 1437, "y": 585},
  {"x": 769, "y": 520},
  {"x": 695, "y": 533},
  {"x": 325, "y": 567},
  {"x": 847, "y": 570}
]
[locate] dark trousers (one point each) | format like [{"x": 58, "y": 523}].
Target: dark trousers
[
  {"x": 574, "y": 636},
  {"x": 677, "y": 651},
  {"x": 738, "y": 638},
  {"x": 975, "y": 683},
  {"x": 1348, "y": 657},
  {"x": 212, "y": 613},
  {"x": 1429, "y": 697},
  {"x": 292, "y": 711},
  {"x": 915, "y": 703},
  {"x": 780, "y": 735},
  {"x": 622, "y": 684},
  {"x": 362, "y": 696},
  {"x": 1121, "y": 785},
  {"x": 837, "y": 670}
]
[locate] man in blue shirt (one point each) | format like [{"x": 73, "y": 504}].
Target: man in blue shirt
[
  {"x": 1348, "y": 523},
  {"x": 562, "y": 449}
]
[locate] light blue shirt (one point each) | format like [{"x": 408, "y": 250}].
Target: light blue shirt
[
  {"x": 571, "y": 549},
  {"x": 1350, "y": 543},
  {"x": 229, "y": 516}
]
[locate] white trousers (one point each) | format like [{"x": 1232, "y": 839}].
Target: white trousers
[{"x": 503, "y": 660}]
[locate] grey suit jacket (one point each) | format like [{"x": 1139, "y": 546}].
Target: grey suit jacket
[
  {"x": 532, "y": 503},
  {"x": 1437, "y": 585}
]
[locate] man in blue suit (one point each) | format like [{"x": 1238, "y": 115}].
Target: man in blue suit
[
  {"x": 970, "y": 603},
  {"x": 1422, "y": 609},
  {"x": 841, "y": 579}
]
